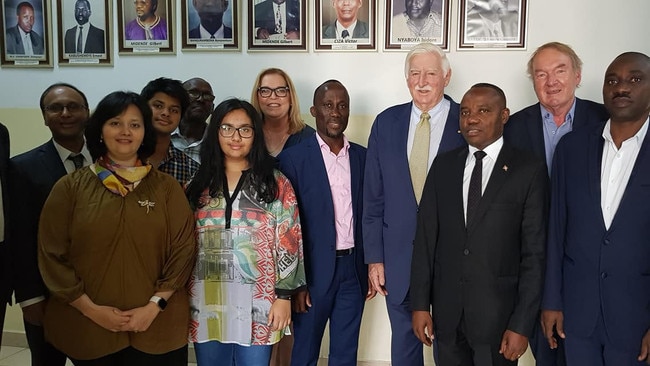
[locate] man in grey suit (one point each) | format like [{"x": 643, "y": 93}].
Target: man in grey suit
[
  {"x": 346, "y": 25},
  {"x": 33, "y": 174},
  {"x": 22, "y": 39},
  {"x": 84, "y": 37}
]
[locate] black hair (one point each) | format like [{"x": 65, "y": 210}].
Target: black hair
[
  {"x": 499, "y": 91},
  {"x": 85, "y": 1},
  {"x": 22, "y": 5},
  {"x": 60, "y": 85},
  {"x": 111, "y": 106},
  {"x": 173, "y": 88},
  {"x": 261, "y": 182}
]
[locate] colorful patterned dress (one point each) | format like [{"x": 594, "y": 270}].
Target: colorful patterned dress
[{"x": 239, "y": 269}]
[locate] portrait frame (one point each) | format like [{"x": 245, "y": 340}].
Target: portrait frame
[
  {"x": 190, "y": 25},
  {"x": 325, "y": 28},
  {"x": 141, "y": 47},
  {"x": 94, "y": 52},
  {"x": 398, "y": 24},
  {"x": 42, "y": 29},
  {"x": 473, "y": 27},
  {"x": 259, "y": 13}
]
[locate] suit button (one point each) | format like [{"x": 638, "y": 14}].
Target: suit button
[
  {"x": 607, "y": 242},
  {"x": 466, "y": 252},
  {"x": 603, "y": 275}
]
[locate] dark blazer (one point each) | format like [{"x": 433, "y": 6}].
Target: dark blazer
[
  {"x": 95, "y": 42},
  {"x": 389, "y": 206},
  {"x": 360, "y": 30},
  {"x": 493, "y": 270},
  {"x": 33, "y": 175},
  {"x": 5, "y": 272},
  {"x": 304, "y": 166},
  {"x": 195, "y": 33},
  {"x": 265, "y": 18},
  {"x": 590, "y": 268},
  {"x": 299, "y": 136},
  {"x": 14, "y": 43},
  {"x": 525, "y": 130}
]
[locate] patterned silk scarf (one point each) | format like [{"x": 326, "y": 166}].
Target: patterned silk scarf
[{"x": 118, "y": 179}]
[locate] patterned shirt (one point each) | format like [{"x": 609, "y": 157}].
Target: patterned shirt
[
  {"x": 178, "y": 165},
  {"x": 240, "y": 268}
]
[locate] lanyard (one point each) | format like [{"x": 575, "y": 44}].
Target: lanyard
[{"x": 230, "y": 199}]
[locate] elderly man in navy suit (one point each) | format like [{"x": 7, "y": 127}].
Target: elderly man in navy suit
[
  {"x": 33, "y": 174},
  {"x": 337, "y": 278},
  {"x": 555, "y": 70},
  {"x": 403, "y": 142},
  {"x": 597, "y": 276},
  {"x": 23, "y": 39}
]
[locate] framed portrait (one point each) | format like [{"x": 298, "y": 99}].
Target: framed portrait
[
  {"x": 409, "y": 22},
  {"x": 84, "y": 32},
  {"x": 145, "y": 27},
  {"x": 210, "y": 25},
  {"x": 494, "y": 24},
  {"x": 26, "y": 38},
  {"x": 345, "y": 25},
  {"x": 277, "y": 25}
]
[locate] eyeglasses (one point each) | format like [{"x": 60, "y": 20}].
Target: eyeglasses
[
  {"x": 196, "y": 95},
  {"x": 280, "y": 91},
  {"x": 245, "y": 132},
  {"x": 57, "y": 108}
]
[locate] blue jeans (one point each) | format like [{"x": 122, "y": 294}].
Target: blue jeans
[{"x": 217, "y": 353}]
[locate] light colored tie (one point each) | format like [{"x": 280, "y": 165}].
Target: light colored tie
[{"x": 419, "y": 161}]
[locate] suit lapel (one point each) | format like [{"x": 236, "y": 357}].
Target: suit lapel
[
  {"x": 499, "y": 175},
  {"x": 319, "y": 173},
  {"x": 52, "y": 164},
  {"x": 595, "y": 156},
  {"x": 535, "y": 126}
]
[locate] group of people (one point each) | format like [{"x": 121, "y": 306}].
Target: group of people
[{"x": 140, "y": 225}]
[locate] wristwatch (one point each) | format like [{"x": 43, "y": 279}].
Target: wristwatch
[{"x": 162, "y": 303}]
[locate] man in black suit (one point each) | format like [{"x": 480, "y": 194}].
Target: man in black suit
[
  {"x": 556, "y": 71},
  {"x": 33, "y": 174},
  {"x": 211, "y": 16},
  {"x": 277, "y": 17},
  {"x": 84, "y": 38},
  {"x": 22, "y": 39},
  {"x": 5, "y": 272},
  {"x": 347, "y": 24},
  {"x": 478, "y": 256}
]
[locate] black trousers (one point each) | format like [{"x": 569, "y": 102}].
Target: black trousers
[
  {"x": 43, "y": 353},
  {"x": 132, "y": 357}
]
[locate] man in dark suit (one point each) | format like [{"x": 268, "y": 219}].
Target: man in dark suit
[
  {"x": 347, "y": 24},
  {"x": 211, "y": 16},
  {"x": 33, "y": 174},
  {"x": 277, "y": 17},
  {"x": 84, "y": 38},
  {"x": 331, "y": 226},
  {"x": 5, "y": 272},
  {"x": 555, "y": 70},
  {"x": 402, "y": 144},
  {"x": 22, "y": 39},
  {"x": 478, "y": 256},
  {"x": 596, "y": 290}
]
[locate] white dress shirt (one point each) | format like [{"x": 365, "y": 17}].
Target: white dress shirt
[{"x": 492, "y": 152}]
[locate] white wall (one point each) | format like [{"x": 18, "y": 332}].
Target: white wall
[{"x": 598, "y": 30}]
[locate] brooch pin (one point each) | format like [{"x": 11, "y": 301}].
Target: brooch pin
[
  {"x": 146, "y": 203},
  {"x": 505, "y": 168}
]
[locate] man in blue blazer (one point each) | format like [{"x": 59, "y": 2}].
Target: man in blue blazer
[
  {"x": 326, "y": 172},
  {"x": 33, "y": 174},
  {"x": 389, "y": 198},
  {"x": 597, "y": 275},
  {"x": 555, "y": 70}
]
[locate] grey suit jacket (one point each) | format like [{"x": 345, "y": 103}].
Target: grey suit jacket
[
  {"x": 14, "y": 43},
  {"x": 360, "y": 30}
]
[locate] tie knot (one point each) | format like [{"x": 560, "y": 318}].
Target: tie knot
[
  {"x": 345, "y": 34},
  {"x": 479, "y": 154},
  {"x": 77, "y": 160}
]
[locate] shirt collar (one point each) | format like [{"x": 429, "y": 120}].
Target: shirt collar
[
  {"x": 325, "y": 147},
  {"x": 638, "y": 137},
  {"x": 339, "y": 28},
  {"x": 205, "y": 34},
  {"x": 65, "y": 153},
  {"x": 548, "y": 116},
  {"x": 492, "y": 150},
  {"x": 417, "y": 112}
]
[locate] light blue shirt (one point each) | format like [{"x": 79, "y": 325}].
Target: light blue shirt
[{"x": 553, "y": 133}]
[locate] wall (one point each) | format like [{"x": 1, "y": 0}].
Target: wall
[{"x": 598, "y": 30}]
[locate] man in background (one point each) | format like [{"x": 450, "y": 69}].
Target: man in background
[
  {"x": 211, "y": 16},
  {"x": 33, "y": 174},
  {"x": 419, "y": 20},
  {"x": 347, "y": 25},
  {"x": 85, "y": 37},
  {"x": 22, "y": 39},
  {"x": 277, "y": 17},
  {"x": 404, "y": 140},
  {"x": 189, "y": 134},
  {"x": 490, "y": 20}
]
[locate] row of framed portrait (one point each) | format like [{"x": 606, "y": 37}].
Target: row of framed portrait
[{"x": 147, "y": 27}]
